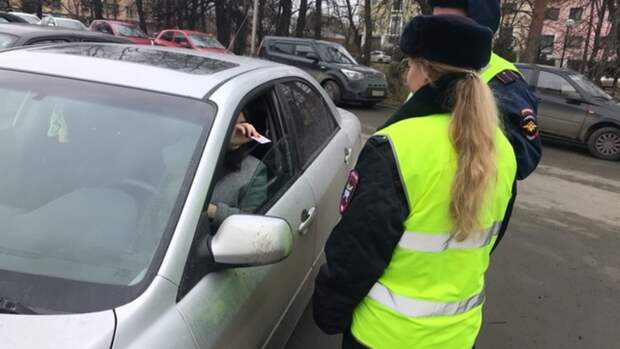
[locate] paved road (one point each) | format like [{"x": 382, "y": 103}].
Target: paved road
[{"x": 554, "y": 281}]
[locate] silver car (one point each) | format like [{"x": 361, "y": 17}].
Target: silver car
[{"x": 109, "y": 156}]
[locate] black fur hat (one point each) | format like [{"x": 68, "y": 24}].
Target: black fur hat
[
  {"x": 452, "y": 40},
  {"x": 485, "y": 12}
]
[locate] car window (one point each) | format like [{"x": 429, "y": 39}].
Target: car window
[
  {"x": 309, "y": 116},
  {"x": 105, "y": 28},
  {"x": 48, "y": 41},
  {"x": 249, "y": 179},
  {"x": 284, "y": 48},
  {"x": 204, "y": 41},
  {"x": 180, "y": 38},
  {"x": 129, "y": 30},
  {"x": 527, "y": 74},
  {"x": 167, "y": 36},
  {"x": 303, "y": 50},
  {"x": 554, "y": 83}
]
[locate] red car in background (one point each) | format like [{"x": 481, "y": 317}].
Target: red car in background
[
  {"x": 124, "y": 29},
  {"x": 189, "y": 39}
]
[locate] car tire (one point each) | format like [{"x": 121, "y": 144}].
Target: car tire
[
  {"x": 333, "y": 91},
  {"x": 604, "y": 143}
]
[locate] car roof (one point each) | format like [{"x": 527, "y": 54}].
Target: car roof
[
  {"x": 111, "y": 21},
  {"x": 167, "y": 70},
  {"x": 546, "y": 67},
  {"x": 29, "y": 31},
  {"x": 293, "y": 39}
]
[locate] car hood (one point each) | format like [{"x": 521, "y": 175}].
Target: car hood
[{"x": 89, "y": 331}]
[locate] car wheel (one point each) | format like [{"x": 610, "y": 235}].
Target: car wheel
[
  {"x": 333, "y": 91},
  {"x": 604, "y": 143}
]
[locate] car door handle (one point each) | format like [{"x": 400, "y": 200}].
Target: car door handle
[
  {"x": 347, "y": 155},
  {"x": 307, "y": 217}
]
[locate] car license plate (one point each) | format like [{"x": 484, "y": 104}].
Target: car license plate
[{"x": 376, "y": 93}]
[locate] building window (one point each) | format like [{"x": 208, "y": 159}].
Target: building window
[
  {"x": 395, "y": 25},
  {"x": 397, "y": 5},
  {"x": 546, "y": 44},
  {"x": 129, "y": 11},
  {"x": 575, "y": 41},
  {"x": 552, "y": 14},
  {"x": 576, "y": 13},
  {"x": 509, "y": 8}
]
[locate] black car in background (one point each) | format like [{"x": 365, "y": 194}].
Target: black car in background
[
  {"x": 571, "y": 107},
  {"x": 6, "y": 17},
  {"x": 13, "y": 35},
  {"x": 331, "y": 65}
]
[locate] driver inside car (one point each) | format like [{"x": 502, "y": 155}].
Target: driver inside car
[{"x": 242, "y": 181}]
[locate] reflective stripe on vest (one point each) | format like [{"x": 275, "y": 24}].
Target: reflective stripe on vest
[
  {"x": 425, "y": 242},
  {"x": 422, "y": 308},
  {"x": 496, "y": 65}
]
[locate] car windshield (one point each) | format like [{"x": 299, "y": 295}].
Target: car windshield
[
  {"x": 590, "y": 88},
  {"x": 204, "y": 41},
  {"x": 6, "y": 40},
  {"x": 69, "y": 23},
  {"x": 129, "y": 31},
  {"x": 336, "y": 54},
  {"x": 92, "y": 180}
]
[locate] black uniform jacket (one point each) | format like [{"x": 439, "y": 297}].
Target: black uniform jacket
[{"x": 361, "y": 245}]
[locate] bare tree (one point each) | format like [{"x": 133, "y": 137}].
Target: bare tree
[
  {"x": 301, "y": 18},
  {"x": 533, "y": 37},
  {"x": 318, "y": 21},
  {"x": 284, "y": 20},
  {"x": 368, "y": 24}
]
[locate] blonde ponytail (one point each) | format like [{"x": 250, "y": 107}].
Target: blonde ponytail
[{"x": 472, "y": 131}]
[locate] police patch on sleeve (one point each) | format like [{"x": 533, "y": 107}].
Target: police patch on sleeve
[
  {"x": 528, "y": 124},
  {"x": 348, "y": 191}
]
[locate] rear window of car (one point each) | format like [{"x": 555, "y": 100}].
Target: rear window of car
[
  {"x": 129, "y": 30},
  {"x": 7, "y": 40}
]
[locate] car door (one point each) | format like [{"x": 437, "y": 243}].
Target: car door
[
  {"x": 324, "y": 150},
  {"x": 254, "y": 307},
  {"x": 561, "y": 110},
  {"x": 307, "y": 58}
]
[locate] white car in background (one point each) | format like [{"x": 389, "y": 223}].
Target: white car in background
[
  {"x": 68, "y": 23},
  {"x": 380, "y": 57},
  {"x": 28, "y": 17},
  {"x": 110, "y": 154}
]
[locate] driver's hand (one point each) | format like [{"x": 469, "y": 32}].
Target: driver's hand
[{"x": 242, "y": 134}]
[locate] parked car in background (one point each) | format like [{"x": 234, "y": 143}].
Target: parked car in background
[
  {"x": 106, "y": 173},
  {"x": 13, "y": 35},
  {"x": 63, "y": 22},
  {"x": 6, "y": 17},
  {"x": 189, "y": 39},
  {"x": 28, "y": 17},
  {"x": 573, "y": 108},
  {"x": 380, "y": 57},
  {"x": 123, "y": 29},
  {"x": 345, "y": 80}
]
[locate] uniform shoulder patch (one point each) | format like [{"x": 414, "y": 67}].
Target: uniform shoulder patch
[
  {"x": 349, "y": 190},
  {"x": 507, "y": 76},
  {"x": 528, "y": 124}
]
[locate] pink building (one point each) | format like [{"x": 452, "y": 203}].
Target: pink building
[{"x": 580, "y": 19}]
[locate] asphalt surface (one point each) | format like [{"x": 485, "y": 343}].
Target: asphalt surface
[{"x": 554, "y": 281}]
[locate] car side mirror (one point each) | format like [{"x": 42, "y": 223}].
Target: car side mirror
[
  {"x": 573, "y": 97},
  {"x": 250, "y": 240}
]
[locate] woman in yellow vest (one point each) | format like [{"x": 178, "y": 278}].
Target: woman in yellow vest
[{"x": 420, "y": 212}]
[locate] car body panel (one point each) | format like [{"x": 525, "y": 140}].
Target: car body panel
[
  {"x": 90, "y": 331},
  {"x": 571, "y": 120},
  {"x": 236, "y": 307},
  {"x": 128, "y": 74},
  {"x": 159, "y": 40}
]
